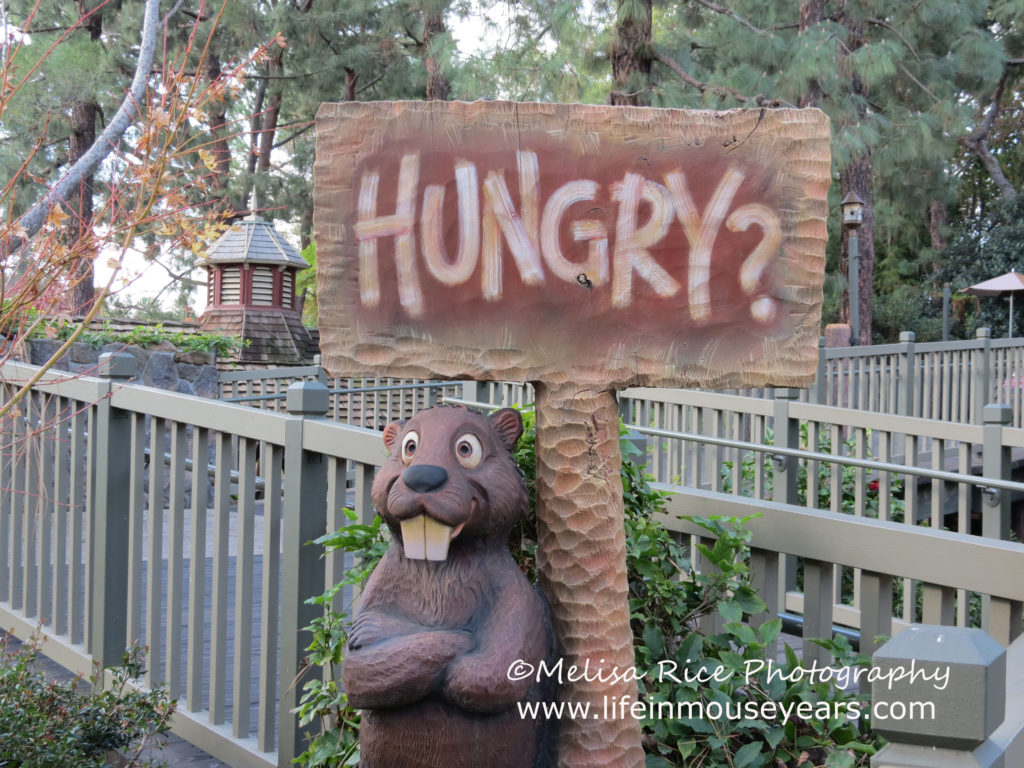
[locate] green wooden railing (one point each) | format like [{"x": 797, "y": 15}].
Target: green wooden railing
[{"x": 133, "y": 513}]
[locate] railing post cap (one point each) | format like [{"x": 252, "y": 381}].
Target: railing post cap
[
  {"x": 983, "y": 333},
  {"x": 116, "y": 365},
  {"x": 997, "y": 413},
  {"x": 907, "y": 336},
  {"x": 787, "y": 393},
  {"x": 307, "y": 398},
  {"x": 960, "y": 670}
]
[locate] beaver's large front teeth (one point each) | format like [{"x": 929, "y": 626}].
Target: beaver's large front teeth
[{"x": 425, "y": 538}]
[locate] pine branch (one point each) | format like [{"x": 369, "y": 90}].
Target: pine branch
[
  {"x": 720, "y": 90},
  {"x": 295, "y": 135},
  {"x": 32, "y": 221},
  {"x": 731, "y": 14},
  {"x": 891, "y": 28},
  {"x": 373, "y": 82},
  {"x": 977, "y": 141},
  {"x": 920, "y": 85}
]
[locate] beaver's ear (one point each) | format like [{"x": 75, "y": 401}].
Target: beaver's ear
[
  {"x": 508, "y": 423},
  {"x": 391, "y": 433}
]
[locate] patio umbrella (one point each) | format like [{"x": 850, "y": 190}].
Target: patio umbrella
[{"x": 1010, "y": 283}]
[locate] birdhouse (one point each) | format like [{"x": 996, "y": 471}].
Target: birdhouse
[
  {"x": 251, "y": 273},
  {"x": 853, "y": 210}
]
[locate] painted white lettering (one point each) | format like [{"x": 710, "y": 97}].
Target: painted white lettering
[
  {"x": 370, "y": 227},
  {"x": 631, "y": 242},
  {"x": 432, "y": 233},
  {"x": 759, "y": 259},
  {"x": 701, "y": 233},
  {"x": 596, "y": 265},
  {"x": 500, "y": 218},
  {"x": 763, "y": 309}
]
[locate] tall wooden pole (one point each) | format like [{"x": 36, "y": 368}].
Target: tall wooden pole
[{"x": 581, "y": 554}]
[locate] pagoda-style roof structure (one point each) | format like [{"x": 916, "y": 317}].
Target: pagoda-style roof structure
[
  {"x": 254, "y": 241},
  {"x": 251, "y": 272}
]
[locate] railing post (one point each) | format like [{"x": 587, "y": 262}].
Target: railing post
[
  {"x": 1000, "y": 618},
  {"x": 321, "y": 374},
  {"x": 109, "y": 550},
  {"x": 818, "y": 390},
  {"x": 303, "y": 574},
  {"x": 787, "y": 435},
  {"x": 930, "y": 672},
  {"x": 995, "y": 463},
  {"x": 473, "y": 391},
  {"x": 908, "y": 368},
  {"x": 981, "y": 372},
  {"x": 784, "y": 478}
]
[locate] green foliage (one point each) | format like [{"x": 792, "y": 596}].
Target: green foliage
[
  {"x": 46, "y": 723},
  {"x": 981, "y": 250},
  {"x": 698, "y": 618},
  {"x": 305, "y": 281},
  {"x": 144, "y": 336},
  {"x": 849, "y": 477},
  {"x": 322, "y": 698},
  {"x": 904, "y": 83}
]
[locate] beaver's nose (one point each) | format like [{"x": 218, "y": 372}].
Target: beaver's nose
[{"x": 424, "y": 478}]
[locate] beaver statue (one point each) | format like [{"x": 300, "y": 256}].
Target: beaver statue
[{"x": 447, "y": 611}]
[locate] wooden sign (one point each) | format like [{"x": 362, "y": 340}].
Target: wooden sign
[
  {"x": 583, "y": 249},
  {"x": 547, "y": 242}
]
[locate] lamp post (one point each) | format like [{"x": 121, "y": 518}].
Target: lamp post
[{"x": 853, "y": 216}]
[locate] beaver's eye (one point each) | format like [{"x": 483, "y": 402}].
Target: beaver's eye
[
  {"x": 468, "y": 451},
  {"x": 409, "y": 444}
]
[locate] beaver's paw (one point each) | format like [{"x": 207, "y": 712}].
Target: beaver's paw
[{"x": 372, "y": 628}]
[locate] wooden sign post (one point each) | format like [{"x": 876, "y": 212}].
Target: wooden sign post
[{"x": 584, "y": 249}]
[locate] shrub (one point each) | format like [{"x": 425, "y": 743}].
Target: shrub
[
  {"x": 144, "y": 336},
  {"x": 46, "y": 723}
]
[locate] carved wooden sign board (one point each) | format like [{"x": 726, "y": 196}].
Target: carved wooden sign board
[{"x": 548, "y": 242}]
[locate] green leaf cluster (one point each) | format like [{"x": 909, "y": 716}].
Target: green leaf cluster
[
  {"x": 323, "y": 700},
  {"x": 48, "y": 723},
  {"x": 143, "y": 336}
]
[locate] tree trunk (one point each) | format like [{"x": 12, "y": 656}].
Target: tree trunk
[
  {"x": 83, "y": 135},
  {"x": 856, "y": 177},
  {"x": 938, "y": 220},
  {"x": 255, "y": 121},
  {"x": 631, "y": 55},
  {"x": 581, "y": 560},
  {"x": 271, "y": 112},
  {"x": 433, "y": 30},
  {"x": 264, "y": 122},
  {"x": 306, "y": 227},
  {"x": 218, "y": 134},
  {"x": 812, "y": 13},
  {"x": 351, "y": 78}
]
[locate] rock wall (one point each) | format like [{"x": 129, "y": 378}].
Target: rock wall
[{"x": 163, "y": 366}]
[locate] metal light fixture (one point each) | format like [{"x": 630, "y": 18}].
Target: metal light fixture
[{"x": 853, "y": 210}]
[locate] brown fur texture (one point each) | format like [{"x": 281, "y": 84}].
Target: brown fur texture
[{"x": 432, "y": 642}]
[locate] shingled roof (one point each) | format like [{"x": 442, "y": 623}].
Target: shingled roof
[
  {"x": 274, "y": 338},
  {"x": 256, "y": 241}
]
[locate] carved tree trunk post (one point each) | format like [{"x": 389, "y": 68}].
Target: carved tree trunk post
[{"x": 581, "y": 554}]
